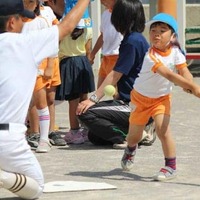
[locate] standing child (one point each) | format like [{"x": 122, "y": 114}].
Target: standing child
[
  {"x": 42, "y": 82},
  {"x": 54, "y": 137},
  {"x": 77, "y": 78},
  {"x": 151, "y": 93},
  {"x": 109, "y": 40}
]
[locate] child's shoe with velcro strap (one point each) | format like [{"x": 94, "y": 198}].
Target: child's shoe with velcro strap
[
  {"x": 128, "y": 159},
  {"x": 165, "y": 173}
]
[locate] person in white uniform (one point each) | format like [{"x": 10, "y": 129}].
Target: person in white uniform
[{"x": 20, "y": 55}]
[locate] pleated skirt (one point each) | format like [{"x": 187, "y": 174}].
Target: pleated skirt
[{"x": 76, "y": 78}]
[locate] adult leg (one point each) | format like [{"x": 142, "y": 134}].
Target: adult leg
[
  {"x": 96, "y": 140},
  {"x": 20, "y": 171},
  {"x": 108, "y": 123},
  {"x": 108, "y": 120}
]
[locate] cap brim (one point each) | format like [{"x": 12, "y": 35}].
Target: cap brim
[
  {"x": 148, "y": 24},
  {"x": 28, "y": 14}
]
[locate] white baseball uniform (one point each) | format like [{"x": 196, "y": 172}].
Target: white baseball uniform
[{"x": 20, "y": 55}]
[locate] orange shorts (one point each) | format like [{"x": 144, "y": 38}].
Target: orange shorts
[
  {"x": 107, "y": 64},
  {"x": 41, "y": 82},
  {"x": 145, "y": 107}
]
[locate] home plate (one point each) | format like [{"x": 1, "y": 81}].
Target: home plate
[{"x": 69, "y": 186}]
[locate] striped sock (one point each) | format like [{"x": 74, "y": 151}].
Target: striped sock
[
  {"x": 44, "y": 121},
  {"x": 170, "y": 162},
  {"x": 132, "y": 148}
]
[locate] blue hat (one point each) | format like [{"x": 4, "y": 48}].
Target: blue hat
[
  {"x": 165, "y": 18},
  {"x": 12, "y": 7}
]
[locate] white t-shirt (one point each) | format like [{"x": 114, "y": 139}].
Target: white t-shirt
[
  {"x": 111, "y": 38},
  {"x": 35, "y": 24},
  {"x": 150, "y": 83},
  {"x": 20, "y": 55},
  {"x": 49, "y": 15}
]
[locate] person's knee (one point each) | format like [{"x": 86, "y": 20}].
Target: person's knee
[
  {"x": 85, "y": 117},
  {"x": 50, "y": 101}
]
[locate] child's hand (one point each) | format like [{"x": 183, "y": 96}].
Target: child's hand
[
  {"x": 91, "y": 58},
  {"x": 48, "y": 72}
]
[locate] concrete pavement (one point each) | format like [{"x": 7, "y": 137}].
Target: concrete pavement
[{"x": 96, "y": 164}]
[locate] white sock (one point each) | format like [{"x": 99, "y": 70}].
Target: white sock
[
  {"x": 20, "y": 185},
  {"x": 44, "y": 122}
]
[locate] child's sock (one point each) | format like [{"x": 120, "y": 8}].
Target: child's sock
[
  {"x": 44, "y": 122},
  {"x": 170, "y": 162},
  {"x": 132, "y": 148}
]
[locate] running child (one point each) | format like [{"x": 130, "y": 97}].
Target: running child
[{"x": 151, "y": 94}]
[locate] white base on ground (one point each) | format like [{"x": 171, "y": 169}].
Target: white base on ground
[{"x": 68, "y": 186}]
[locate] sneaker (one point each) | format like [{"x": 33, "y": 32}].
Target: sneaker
[
  {"x": 149, "y": 135},
  {"x": 127, "y": 159},
  {"x": 43, "y": 147},
  {"x": 33, "y": 140},
  {"x": 74, "y": 137},
  {"x": 120, "y": 146},
  {"x": 56, "y": 139},
  {"x": 84, "y": 133},
  {"x": 166, "y": 173}
]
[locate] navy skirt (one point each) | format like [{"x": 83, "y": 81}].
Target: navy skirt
[{"x": 76, "y": 78}]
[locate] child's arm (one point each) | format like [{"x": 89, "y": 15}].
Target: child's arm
[
  {"x": 48, "y": 72},
  {"x": 88, "y": 47},
  {"x": 69, "y": 22},
  {"x": 184, "y": 72},
  {"x": 97, "y": 46},
  {"x": 179, "y": 80}
]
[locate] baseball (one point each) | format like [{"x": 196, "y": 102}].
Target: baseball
[{"x": 109, "y": 90}]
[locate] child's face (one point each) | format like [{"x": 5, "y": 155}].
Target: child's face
[
  {"x": 30, "y": 4},
  {"x": 108, "y": 3},
  {"x": 160, "y": 36}
]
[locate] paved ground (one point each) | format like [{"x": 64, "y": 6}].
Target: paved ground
[{"x": 89, "y": 163}]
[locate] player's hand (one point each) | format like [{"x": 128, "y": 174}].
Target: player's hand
[{"x": 83, "y": 106}]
